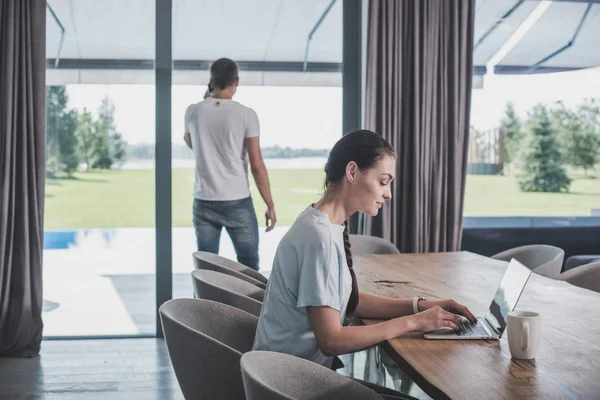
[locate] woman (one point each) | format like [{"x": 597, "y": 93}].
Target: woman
[{"x": 313, "y": 287}]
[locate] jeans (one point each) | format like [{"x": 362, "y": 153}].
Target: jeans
[{"x": 238, "y": 218}]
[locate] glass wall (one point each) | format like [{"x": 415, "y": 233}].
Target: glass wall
[
  {"x": 299, "y": 105},
  {"x": 99, "y": 212},
  {"x": 100, "y": 251},
  {"x": 535, "y": 115},
  {"x": 529, "y": 129}
]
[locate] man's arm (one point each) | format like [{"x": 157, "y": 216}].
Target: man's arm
[
  {"x": 187, "y": 138},
  {"x": 259, "y": 171}
]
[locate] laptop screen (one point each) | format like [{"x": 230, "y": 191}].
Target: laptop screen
[{"x": 511, "y": 286}]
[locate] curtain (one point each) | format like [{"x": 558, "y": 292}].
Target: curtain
[
  {"x": 418, "y": 94},
  {"x": 22, "y": 171}
]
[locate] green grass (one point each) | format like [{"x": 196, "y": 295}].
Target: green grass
[
  {"x": 125, "y": 198},
  {"x": 500, "y": 196}
]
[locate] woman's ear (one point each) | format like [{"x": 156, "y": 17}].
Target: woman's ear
[{"x": 351, "y": 170}]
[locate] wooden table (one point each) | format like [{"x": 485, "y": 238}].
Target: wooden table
[{"x": 567, "y": 365}]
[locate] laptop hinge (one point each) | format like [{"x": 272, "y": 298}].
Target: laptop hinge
[{"x": 494, "y": 330}]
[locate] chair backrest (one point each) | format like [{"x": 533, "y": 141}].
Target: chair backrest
[
  {"x": 580, "y": 259},
  {"x": 214, "y": 262},
  {"x": 586, "y": 276},
  {"x": 227, "y": 289},
  {"x": 542, "y": 259},
  {"x": 206, "y": 341},
  {"x": 274, "y": 376},
  {"x": 363, "y": 244}
]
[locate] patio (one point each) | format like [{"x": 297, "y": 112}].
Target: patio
[{"x": 101, "y": 282}]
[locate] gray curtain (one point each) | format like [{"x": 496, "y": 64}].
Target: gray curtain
[
  {"x": 418, "y": 94},
  {"x": 22, "y": 170}
]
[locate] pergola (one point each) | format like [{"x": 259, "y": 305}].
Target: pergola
[{"x": 291, "y": 42}]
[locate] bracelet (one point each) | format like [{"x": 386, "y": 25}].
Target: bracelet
[{"x": 416, "y": 302}]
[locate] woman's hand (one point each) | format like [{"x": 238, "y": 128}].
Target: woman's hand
[
  {"x": 450, "y": 306},
  {"x": 435, "y": 318}
]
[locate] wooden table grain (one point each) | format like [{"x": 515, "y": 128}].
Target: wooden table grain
[{"x": 567, "y": 365}]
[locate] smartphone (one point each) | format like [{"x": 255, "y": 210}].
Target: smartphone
[{"x": 210, "y": 89}]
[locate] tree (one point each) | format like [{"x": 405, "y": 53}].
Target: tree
[
  {"x": 104, "y": 125},
  {"x": 577, "y": 135},
  {"x": 145, "y": 151},
  {"x": 589, "y": 111},
  {"x": 61, "y": 141},
  {"x": 68, "y": 143},
  {"x": 86, "y": 133},
  {"x": 542, "y": 160},
  {"x": 589, "y": 114},
  {"x": 109, "y": 142},
  {"x": 584, "y": 151},
  {"x": 511, "y": 126},
  {"x": 102, "y": 158},
  {"x": 119, "y": 148}
]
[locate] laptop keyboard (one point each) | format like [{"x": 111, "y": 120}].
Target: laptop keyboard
[{"x": 468, "y": 328}]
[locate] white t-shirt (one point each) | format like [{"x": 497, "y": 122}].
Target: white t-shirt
[
  {"x": 310, "y": 269},
  {"x": 219, "y": 128}
]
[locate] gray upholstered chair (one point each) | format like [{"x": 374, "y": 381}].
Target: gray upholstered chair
[
  {"x": 363, "y": 244},
  {"x": 214, "y": 262},
  {"x": 586, "y": 276},
  {"x": 227, "y": 289},
  {"x": 582, "y": 259},
  {"x": 542, "y": 259},
  {"x": 278, "y": 376},
  {"x": 206, "y": 341}
]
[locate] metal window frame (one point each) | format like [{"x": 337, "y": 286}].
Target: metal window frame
[
  {"x": 352, "y": 80},
  {"x": 163, "y": 66},
  {"x": 190, "y": 65},
  {"x": 163, "y": 187}
]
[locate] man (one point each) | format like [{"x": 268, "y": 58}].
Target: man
[{"x": 224, "y": 134}]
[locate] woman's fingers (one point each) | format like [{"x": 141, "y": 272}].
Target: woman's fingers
[
  {"x": 453, "y": 320},
  {"x": 466, "y": 312},
  {"x": 451, "y": 324}
]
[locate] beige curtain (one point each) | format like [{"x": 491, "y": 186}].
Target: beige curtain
[
  {"x": 418, "y": 93},
  {"x": 22, "y": 171}
]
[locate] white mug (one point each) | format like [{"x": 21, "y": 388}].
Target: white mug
[{"x": 524, "y": 334}]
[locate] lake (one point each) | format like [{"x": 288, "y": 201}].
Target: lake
[{"x": 271, "y": 163}]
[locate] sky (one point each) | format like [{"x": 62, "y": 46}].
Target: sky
[
  {"x": 298, "y": 117},
  {"x": 311, "y": 117}
]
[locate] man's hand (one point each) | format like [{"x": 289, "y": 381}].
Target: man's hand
[
  {"x": 187, "y": 138},
  {"x": 270, "y": 216}
]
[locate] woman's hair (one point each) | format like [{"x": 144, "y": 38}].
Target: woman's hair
[{"x": 366, "y": 149}]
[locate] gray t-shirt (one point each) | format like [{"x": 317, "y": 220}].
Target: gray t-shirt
[
  {"x": 309, "y": 270},
  {"x": 219, "y": 128}
]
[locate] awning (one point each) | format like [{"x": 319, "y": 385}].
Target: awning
[
  {"x": 564, "y": 37},
  {"x": 495, "y": 22},
  {"x": 289, "y": 42},
  {"x": 276, "y": 42}
]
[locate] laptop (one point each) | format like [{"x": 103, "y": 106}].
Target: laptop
[{"x": 491, "y": 326}]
